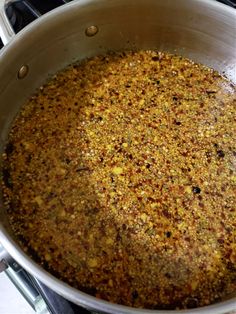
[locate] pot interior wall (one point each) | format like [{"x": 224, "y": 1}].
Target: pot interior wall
[{"x": 201, "y": 30}]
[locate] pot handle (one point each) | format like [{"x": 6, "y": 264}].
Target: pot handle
[
  {"x": 42, "y": 299},
  {"x": 23, "y": 282},
  {"x": 6, "y": 30}
]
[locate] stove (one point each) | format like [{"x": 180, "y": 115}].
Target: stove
[{"x": 41, "y": 299}]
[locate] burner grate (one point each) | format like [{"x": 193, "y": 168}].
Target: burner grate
[
  {"x": 21, "y": 13},
  {"x": 231, "y": 3},
  {"x": 44, "y": 6}
]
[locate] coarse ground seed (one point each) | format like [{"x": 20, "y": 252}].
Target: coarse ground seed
[{"x": 120, "y": 178}]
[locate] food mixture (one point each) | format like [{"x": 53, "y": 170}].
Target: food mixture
[{"x": 120, "y": 178}]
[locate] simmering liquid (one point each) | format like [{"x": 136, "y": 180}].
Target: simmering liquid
[{"x": 120, "y": 179}]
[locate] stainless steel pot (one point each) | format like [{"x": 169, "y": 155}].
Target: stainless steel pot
[{"x": 203, "y": 30}]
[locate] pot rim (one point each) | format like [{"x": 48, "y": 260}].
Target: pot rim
[{"x": 70, "y": 293}]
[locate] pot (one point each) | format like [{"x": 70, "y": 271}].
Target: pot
[{"x": 203, "y": 30}]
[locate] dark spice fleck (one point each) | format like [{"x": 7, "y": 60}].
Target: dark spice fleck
[
  {"x": 166, "y": 213},
  {"x": 67, "y": 160},
  {"x": 168, "y": 275},
  {"x": 196, "y": 190},
  {"x": 168, "y": 234},
  {"x": 177, "y": 122},
  {"x": 192, "y": 303},
  {"x": 220, "y": 153},
  {"x": 28, "y": 158},
  {"x": 9, "y": 148},
  {"x": 7, "y": 178},
  {"x": 135, "y": 294},
  {"x": 155, "y": 58},
  {"x": 210, "y": 91},
  {"x": 50, "y": 196},
  {"x": 124, "y": 226},
  {"x": 92, "y": 210},
  {"x": 82, "y": 169},
  {"x": 220, "y": 240}
]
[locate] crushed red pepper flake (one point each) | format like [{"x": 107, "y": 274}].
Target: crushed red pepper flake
[{"x": 119, "y": 177}]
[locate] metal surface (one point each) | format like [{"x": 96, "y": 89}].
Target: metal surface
[
  {"x": 91, "y": 31},
  {"x": 23, "y": 71},
  {"x": 56, "y": 303},
  {"x": 23, "y": 282},
  {"x": 3, "y": 259},
  {"x": 202, "y": 30},
  {"x": 6, "y": 30}
]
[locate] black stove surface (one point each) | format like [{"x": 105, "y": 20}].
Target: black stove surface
[
  {"x": 20, "y": 14},
  {"x": 23, "y": 12}
]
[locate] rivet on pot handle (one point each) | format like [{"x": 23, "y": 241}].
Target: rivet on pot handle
[{"x": 6, "y": 30}]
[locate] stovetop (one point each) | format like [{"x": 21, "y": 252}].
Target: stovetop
[
  {"x": 23, "y": 12},
  {"x": 20, "y": 14}
]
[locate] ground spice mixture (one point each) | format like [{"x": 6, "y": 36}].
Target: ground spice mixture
[{"x": 120, "y": 178}]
